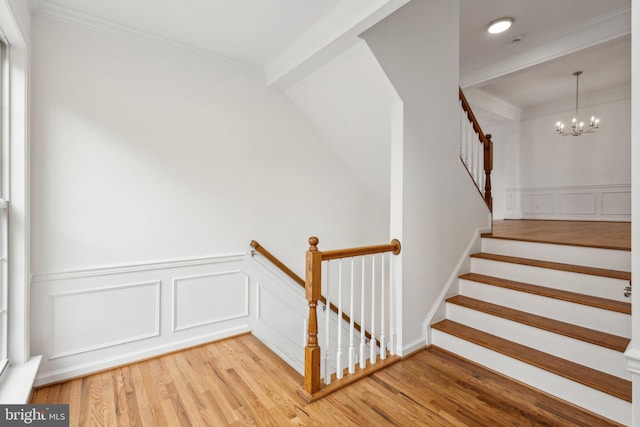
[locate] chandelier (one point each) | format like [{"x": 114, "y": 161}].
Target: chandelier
[{"x": 577, "y": 127}]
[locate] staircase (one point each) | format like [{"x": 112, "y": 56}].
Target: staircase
[{"x": 552, "y": 316}]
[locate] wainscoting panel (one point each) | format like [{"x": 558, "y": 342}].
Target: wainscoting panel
[
  {"x": 577, "y": 203},
  {"x": 616, "y": 203},
  {"x": 84, "y": 320},
  {"x": 210, "y": 298},
  {"x": 586, "y": 203},
  {"x": 538, "y": 203},
  {"x": 281, "y": 311},
  {"x": 92, "y": 319}
]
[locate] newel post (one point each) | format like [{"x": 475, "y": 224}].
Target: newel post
[
  {"x": 488, "y": 167},
  {"x": 313, "y": 286}
]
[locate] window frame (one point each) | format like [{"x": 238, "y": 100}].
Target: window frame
[{"x": 4, "y": 206}]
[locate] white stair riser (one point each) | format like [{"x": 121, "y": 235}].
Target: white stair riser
[
  {"x": 577, "y": 314},
  {"x": 587, "y": 354},
  {"x": 592, "y": 257},
  {"x": 604, "y": 287},
  {"x": 578, "y": 394}
]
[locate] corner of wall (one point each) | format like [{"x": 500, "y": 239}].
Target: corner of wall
[{"x": 450, "y": 288}]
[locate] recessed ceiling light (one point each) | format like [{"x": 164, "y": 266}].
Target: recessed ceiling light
[{"x": 499, "y": 25}]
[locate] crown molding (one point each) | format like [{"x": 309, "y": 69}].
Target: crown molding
[
  {"x": 334, "y": 33},
  {"x": 480, "y": 99},
  {"x": 606, "y": 28},
  {"x": 122, "y": 32},
  {"x": 586, "y": 101}
]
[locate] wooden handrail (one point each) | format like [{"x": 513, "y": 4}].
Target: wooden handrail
[
  {"x": 275, "y": 261},
  {"x": 485, "y": 140},
  {"x": 394, "y": 247},
  {"x": 286, "y": 270},
  {"x": 312, "y": 378},
  {"x": 472, "y": 118}
]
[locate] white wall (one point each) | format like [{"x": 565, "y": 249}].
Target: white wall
[
  {"x": 441, "y": 210},
  {"x": 153, "y": 168},
  {"x": 506, "y": 171},
  {"x": 540, "y": 175},
  {"x": 548, "y": 160},
  {"x": 574, "y": 178},
  {"x": 349, "y": 101},
  {"x": 147, "y": 152}
]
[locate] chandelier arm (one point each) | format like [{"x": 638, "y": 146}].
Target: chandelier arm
[{"x": 577, "y": 127}]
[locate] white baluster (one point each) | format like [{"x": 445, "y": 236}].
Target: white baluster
[
  {"x": 352, "y": 362},
  {"x": 383, "y": 345},
  {"x": 470, "y": 163},
  {"x": 461, "y": 123},
  {"x": 480, "y": 165},
  {"x": 392, "y": 310},
  {"x": 466, "y": 144},
  {"x": 372, "y": 341},
  {"x": 476, "y": 144},
  {"x": 362, "y": 328},
  {"x": 339, "y": 352},
  {"x": 482, "y": 176},
  {"x": 327, "y": 316}
]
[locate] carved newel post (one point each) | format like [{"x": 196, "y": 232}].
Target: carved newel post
[
  {"x": 488, "y": 167},
  {"x": 313, "y": 286}
]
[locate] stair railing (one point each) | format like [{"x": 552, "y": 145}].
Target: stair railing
[
  {"x": 476, "y": 151},
  {"x": 257, "y": 247},
  {"x": 361, "y": 285}
]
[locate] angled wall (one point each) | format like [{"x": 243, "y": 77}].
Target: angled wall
[{"x": 440, "y": 209}]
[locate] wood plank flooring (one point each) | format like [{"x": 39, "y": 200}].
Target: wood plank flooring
[
  {"x": 240, "y": 382},
  {"x": 600, "y": 234}
]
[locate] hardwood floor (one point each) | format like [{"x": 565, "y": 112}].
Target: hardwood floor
[
  {"x": 241, "y": 382},
  {"x": 601, "y": 234}
]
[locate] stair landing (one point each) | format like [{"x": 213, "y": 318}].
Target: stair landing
[{"x": 595, "y": 234}]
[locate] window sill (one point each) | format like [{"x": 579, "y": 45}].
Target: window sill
[{"x": 17, "y": 382}]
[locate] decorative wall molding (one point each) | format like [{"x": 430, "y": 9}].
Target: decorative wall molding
[
  {"x": 91, "y": 319},
  {"x": 234, "y": 305},
  {"x": 80, "y": 299},
  {"x": 280, "y": 310},
  {"x": 589, "y": 203},
  {"x": 134, "y": 267}
]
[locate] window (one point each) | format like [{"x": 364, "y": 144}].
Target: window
[{"x": 4, "y": 205}]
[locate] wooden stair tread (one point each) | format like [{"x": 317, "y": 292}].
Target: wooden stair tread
[
  {"x": 594, "y": 271},
  {"x": 589, "y": 377},
  {"x": 555, "y": 242},
  {"x": 592, "y": 336},
  {"x": 574, "y": 297}
]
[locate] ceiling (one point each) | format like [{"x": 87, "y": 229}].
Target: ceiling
[
  {"x": 249, "y": 31},
  {"x": 536, "y": 69},
  {"x": 549, "y": 41}
]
